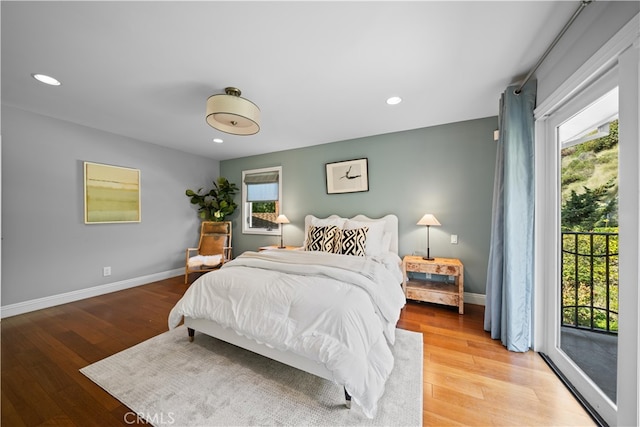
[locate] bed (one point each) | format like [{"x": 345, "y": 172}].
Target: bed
[{"x": 330, "y": 314}]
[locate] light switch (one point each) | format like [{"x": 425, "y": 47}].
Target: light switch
[{"x": 454, "y": 239}]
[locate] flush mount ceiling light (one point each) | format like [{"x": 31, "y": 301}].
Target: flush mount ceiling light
[
  {"x": 232, "y": 114},
  {"x": 394, "y": 100},
  {"x": 46, "y": 79}
]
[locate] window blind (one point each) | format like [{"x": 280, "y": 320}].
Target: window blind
[
  {"x": 262, "y": 187},
  {"x": 262, "y": 178},
  {"x": 262, "y": 192}
]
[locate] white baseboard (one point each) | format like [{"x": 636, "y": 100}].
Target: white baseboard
[
  {"x": 51, "y": 301},
  {"x": 478, "y": 299}
]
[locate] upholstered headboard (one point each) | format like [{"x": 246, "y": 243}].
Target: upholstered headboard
[{"x": 390, "y": 225}]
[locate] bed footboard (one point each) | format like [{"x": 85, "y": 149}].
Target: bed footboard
[{"x": 299, "y": 362}]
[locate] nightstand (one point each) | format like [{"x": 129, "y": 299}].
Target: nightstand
[
  {"x": 276, "y": 247},
  {"x": 432, "y": 291}
]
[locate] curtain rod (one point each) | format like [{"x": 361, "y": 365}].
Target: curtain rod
[{"x": 583, "y": 4}]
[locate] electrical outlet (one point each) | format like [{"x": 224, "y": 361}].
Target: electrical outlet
[
  {"x": 454, "y": 239},
  {"x": 106, "y": 271}
]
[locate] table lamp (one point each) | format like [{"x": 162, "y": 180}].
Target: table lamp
[
  {"x": 281, "y": 219},
  {"x": 428, "y": 220}
]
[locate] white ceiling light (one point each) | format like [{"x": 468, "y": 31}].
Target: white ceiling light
[
  {"x": 218, "y": 140},
  {"x": 394, "y": 100},
  {"x": 46, "y": 79},
  {"x": 232, "y": 114}
]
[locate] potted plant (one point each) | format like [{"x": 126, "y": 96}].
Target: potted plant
[{"x": 217, "y": 203}]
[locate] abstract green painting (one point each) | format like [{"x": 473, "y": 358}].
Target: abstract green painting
[{"x": 111, "y": 194}]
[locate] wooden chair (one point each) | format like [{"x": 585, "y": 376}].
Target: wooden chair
[{"x": 214, "y": 248}]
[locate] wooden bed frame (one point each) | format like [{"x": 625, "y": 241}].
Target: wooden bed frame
[{"x": 215, "y": 330}]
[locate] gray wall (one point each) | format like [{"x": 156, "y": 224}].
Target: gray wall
[
  {"x": 46, "y": 248},
  {"x": 445, "y": 170}
]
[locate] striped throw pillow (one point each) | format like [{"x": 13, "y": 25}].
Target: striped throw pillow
[
  {"x": 323, "y": 239},
  {"x": 354, "y": 241}
]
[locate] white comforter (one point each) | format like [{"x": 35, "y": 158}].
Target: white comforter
[{"x": 338, "y": 310}]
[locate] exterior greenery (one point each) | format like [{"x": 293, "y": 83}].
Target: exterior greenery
[
  {"x": 589, "y": 271},
  {"x": 263, "y": 207},
  {"x": 217, "y": 203},
  {"x": 586, "y": 211},
  {"x": 590, "y": 233}
]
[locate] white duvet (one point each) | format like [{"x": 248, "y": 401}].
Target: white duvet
[{"x": 338, "y": 310}]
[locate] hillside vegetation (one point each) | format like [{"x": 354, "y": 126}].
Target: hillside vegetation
[
  {"x": 590, "y": 204},
  {"x": 590, "y": 183}
]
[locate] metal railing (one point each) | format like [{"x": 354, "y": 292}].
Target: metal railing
[{"x": 590, "y": 281}]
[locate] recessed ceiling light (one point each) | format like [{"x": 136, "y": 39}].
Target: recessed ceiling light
[
  {"x": 218, "y": 140},
  {"x": 394, "y": 100},
  {"x": 46, "y": 79}
]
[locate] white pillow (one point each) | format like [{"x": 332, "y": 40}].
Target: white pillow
[
  {"x": 326, "y": 222},
  {"x": 374, "y": 235},
  {"x": 386, "y": 242}
]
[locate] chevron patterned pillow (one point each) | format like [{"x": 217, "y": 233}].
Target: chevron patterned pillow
[
  {"x": 323, "y": 239},
  {"x": 354, "y": 241}
]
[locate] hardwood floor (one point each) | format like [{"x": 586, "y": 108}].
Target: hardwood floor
[{"x": 469, "y": 379}]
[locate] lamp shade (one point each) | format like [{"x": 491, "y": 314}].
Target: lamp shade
[
  {"x": 282, "y": 219},
  {"x": 232, "y": 114},
  {"x": 428, "y": 219}
]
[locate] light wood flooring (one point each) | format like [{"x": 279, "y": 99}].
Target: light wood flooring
[{"x": 469, "y": 379}]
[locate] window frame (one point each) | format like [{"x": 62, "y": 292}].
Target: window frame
[{"x": 246, "y": 212}]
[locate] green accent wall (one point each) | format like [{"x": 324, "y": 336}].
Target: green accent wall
[{"x": 446, "y": 170}]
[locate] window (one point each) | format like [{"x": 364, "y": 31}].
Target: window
[{"x": 261, "y": 199}]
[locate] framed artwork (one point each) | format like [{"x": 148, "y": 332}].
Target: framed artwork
[
  {"x": 111, "y": 194},
  {"x": 349, "y": 176}
]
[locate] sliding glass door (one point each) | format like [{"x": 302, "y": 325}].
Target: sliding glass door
[
  {"x": 584, "y": 137},
  {"x": 587, "y": 230}
]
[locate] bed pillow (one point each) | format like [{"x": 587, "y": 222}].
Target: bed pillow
[
  {"x": 374, "y": 235},
  {"x": 323, "y": 222},
  {"x": 323, "y": 239},
  {"x": 386, "y": 242},
  {"x": 354, "y": 241}
]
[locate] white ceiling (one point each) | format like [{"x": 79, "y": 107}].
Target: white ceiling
[{"x": 319, "y": 71}]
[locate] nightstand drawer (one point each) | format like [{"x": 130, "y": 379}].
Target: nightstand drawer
[
  {"x": 432, "y": 294},
  {"x": 446, "y": 270}
]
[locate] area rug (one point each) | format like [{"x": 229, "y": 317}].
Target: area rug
[{"x": 169, "y": 381}]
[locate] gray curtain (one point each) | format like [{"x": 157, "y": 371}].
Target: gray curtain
[{"x": 510, "y": 272}]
